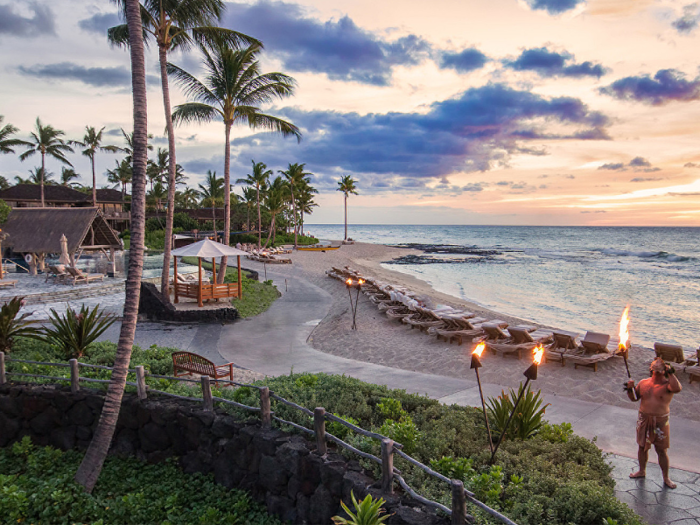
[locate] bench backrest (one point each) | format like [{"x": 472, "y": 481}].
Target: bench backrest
[
  {"x": 672, "y": 353},
  {"x": 193, "y": 362}
]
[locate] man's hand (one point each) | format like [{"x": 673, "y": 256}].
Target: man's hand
[
  {"x": 669, "y": 370},
  {"x": 630, "y": 384}
]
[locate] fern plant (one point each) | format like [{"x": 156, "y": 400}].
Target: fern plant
[
  {"x": 367, "y": 512},
  {"x": 528, "y": 418},
  {"x": 73, "y": 333},
  {"x": 12, "y": 326}
]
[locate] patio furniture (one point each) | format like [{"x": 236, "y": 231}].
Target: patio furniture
[
  {"x": 186, "y": 363},
  {"x": 78, "y": 276}
]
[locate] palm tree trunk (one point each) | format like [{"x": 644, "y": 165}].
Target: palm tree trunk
[
  {"x": 41, "y": 180},
  {"x": 294, "y": 211},
  {"x": 227, "y": 201},
  {"x": 272, "y": 228},
  {"x": 247, "y": 217},
  {"x": 91, "y": 466},
  {"x": 346, "y": 216},
  {"x": 257, "y": 191},
  {"x": 94, "y": 182},
  {"x": 172, "y": 164},
  {"x": 213, "y": 218}
]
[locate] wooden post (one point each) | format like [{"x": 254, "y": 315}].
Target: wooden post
[
  {"x": 387, "y": 466},
  {"x": 240, "y": 284},
  {"x": 320, "y": 429},
  {"x": 459, "y": 503},
  {"x": 175, "y": 278},
  {"x": 3, "y": 379},
  {"x": 199, "y": 290},
  {"x": 2, "y": 269},
  {"x": 74, "y": 376},
  {"x": 113, "y": 260},
  {"x": 265, "y": 414},
  {"x": 141, "y": 383},
  {"x": 206, "y": 394},
  {"x": 213, "y": 264}
]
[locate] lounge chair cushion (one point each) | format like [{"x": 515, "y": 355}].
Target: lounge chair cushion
[
  {"x": 595, "y": 342},
  {"x": 669, "y": 353},
  {"x": 520, "y": 335},
  {"x": 494, "y": 331}
]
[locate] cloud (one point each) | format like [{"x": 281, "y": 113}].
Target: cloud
[
  {"x": 593, "y": 211},
  {"x": 640, "y": 162},
  {"x": 40, "y": 23},
  {"x": 92, "y": 76},
  {"x": 690, "y": 19},
  {"x": 637, "y": 164},
  {"x": 617, "y": 166},
  {"x": 337, "y": 48},
  {"x": 645, "y": 179},
  {"x": 691, "y": 165},
  {"x": 99, "y": 23},
  {"x": 667, "y": 85},
  {"x": 463, "y": 61},
  {"x": 554, "y": 7},
  {"x": 553, "y": 64}
]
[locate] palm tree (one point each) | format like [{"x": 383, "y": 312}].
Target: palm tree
[
  {"x": 305, "y": 201},
  {"x": 212, "y": 194},
  {"x": 296, "y": 177},
  {"x": 129, "y": 149},
  {"x": 189, "y": 198},
  {"x": 258, "y": 179},
  {"x": 91, "y": 466},
  {"x": 92, "y": 142},
  {"x": 36, "y": 176},
  {"x": 122, "y": 175},
  {"x": 275, "y": 198},
  {"x": 158, "y": 169},
  {"x": 47, "y": 141},
  {"x": 67, "y": 175},
  {"x": 233, "y": 91},
  {"x": 6, "y": 142},
  {"x": 177, "y": 24},
  {"x": 250, "y": 195},
  {"x": 346, "y": 184},
  {"x": 157, "y": 195},
  {"x": 3, "y": 183}
]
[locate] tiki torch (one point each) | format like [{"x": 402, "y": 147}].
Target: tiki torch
[
  {"x": 624, "y": 346},
  {"x": 476, "y": 364},
  {"x": 353, "y": 305},
  {"x": 531, "y": 375}
]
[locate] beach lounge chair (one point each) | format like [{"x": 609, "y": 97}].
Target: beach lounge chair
[
  {"x": 463, "y": 329},
  {"x": 595, "y": 348},
  {"x": 519, "y": 339},
  {"x": 423, "y": 319},
  {"x": 7, "y": 284},
  {"x": 78, "y": 276},
  {"x": 561, "y": 343},
  {"x": 57, "y": 273},
  {"x": 671, "y": 353}
]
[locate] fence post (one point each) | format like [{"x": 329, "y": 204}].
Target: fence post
[
  {"x": 206, "y": 394},
  {"x": 2, "y": 365},
  {"x": 141, "y": 383},
  {"x": 265, "y": 414},
  {"x": 459, "y": 503},
  {"x": 320, "y": 429},
  {"x": 387, "y": 466},
  {"x": 74, "y": 375}
]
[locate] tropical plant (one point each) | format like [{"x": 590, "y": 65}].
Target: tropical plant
[
  {"x": 46, "y": 140},
  {"x": 157, "y": 195},
  {"x": 121, "y": 175},
  {"x": 305, "y": 201},
  {"x": 296, "y": 177},
  {"x": 528, "y": 418},
  {"x": 68, "y": 175},
  {"x": 177, "y": 24},
  {"x": 249, "y": 198},
  {"x": 157, "y": 170},
  {"x": 5, "y": 210},
  {"x": 346, "y": 184},
  {"x": 367, "y": 512},
  {"x": 189, "y": 198},
  {"x": 73, "y": 332},
  {"x": 212, "y": 193},
  {"x": 12, "y": 326},
  {"x": 258, "y": 180},
  {"x": 233, "y": 91},
  {"x": 3, "y": 183},
  {"x": 92, "y": 142},
  {"x": 129, "y": 148},
  {"x": 275, "y": 197},
  {"x": 36, "y": 176},
  {"x": 91, "y": 465},
  {"x": 6, "y": 140}
]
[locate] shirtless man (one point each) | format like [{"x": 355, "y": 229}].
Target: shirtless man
[{"x": 653, "y": 425}]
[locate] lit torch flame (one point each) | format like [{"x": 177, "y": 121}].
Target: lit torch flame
[
  {"x": 624, "y": 331},
  {"x": 349, "y": 282},
  {"x": 538, "y": 353},
  {"x": 479, "y": 349},
  {"x": 361, "y": 282}
]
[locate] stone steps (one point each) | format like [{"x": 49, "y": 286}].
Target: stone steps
[{"x": 72, "y": 293}]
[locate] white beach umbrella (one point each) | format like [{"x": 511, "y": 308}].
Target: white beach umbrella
[
  {"x": 207, "y": 249},
  {"x": 64, "y": 258}
]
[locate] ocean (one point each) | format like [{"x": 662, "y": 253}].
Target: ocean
[{"x": 573, "y": 278}]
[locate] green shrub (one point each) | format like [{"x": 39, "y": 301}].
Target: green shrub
[
  {"x": 391, "y": 409},
  {"x": 5, "y": 210},
  {"x": 184, "y": 222},
  {"x": 11, "y": 326},
  {"x": 405, "y": 432},
  {"x": 72, "y": 333},
  {"x": 154, "y": 224},
  {"x": 526, "y": 421},
  {"x": 556, "y": 433},
  {"x": 338, "y": 429},
  {"x": 367, "y": 512}
]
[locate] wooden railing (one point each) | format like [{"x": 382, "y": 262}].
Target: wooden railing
[{"x": 318, "y": 417}]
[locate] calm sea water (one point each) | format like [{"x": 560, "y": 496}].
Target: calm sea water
[{"x": 575, "y": 278}]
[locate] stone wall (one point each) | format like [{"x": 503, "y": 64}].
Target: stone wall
[
  {"x": 279, "y": 469},
  {"x": 153, "y": 305}
]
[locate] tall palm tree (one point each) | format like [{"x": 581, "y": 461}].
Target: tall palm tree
[
  {"x": 346, "y": 184},
  {"x": 189, "y": 198},
  {"x": 47, "y": 141},
  {"x": 92, "y": 142},
  {"x": 233, "y": 91},
  {"x": 177, "y": 24},
  {"x": 6, "y": 140},
  {"x": 212, "y": 193},
  {"x": 275, "y": 198},
  {"x": 157, "y": 170},
  {"x": 67, "y": 175},
  {"x": 296, "y": 177},
  {"x": 91, "y": 466},
  {"x": 121, "y": 175},
  {"x": 250, "y": 196},
  {"x": 258, "y": 179},
  {"x": 157, "y": 195},
  {"x": 305, "y": 201}
]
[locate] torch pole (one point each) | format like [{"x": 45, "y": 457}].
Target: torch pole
[
  {"x": 624, "y": 353},
  {"x": 483, "y": 406},
  {"x": 505, "y": 429},
  {"x": 354, "y": 312}
]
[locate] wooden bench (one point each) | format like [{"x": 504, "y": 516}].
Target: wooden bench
[
  {"x": 190, "y": 364},
  {"x": 4, "y": 284}
]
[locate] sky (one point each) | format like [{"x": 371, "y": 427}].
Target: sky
[{"x": 533, "y": 112}]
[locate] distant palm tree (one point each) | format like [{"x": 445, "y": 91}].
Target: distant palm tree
[
  {"x": 305, "y": 201},
  {"x": 129, "y": 148},
  {"x": 275, "y": 198},
  {"x": 346, "y": 184},
  {"x": 67, "y": 175},
  {"x": 92, "y": 142},
  {"x": 177, "y": 24},
  {"x": 233, "y": 91},
  {"x": 158, "y": 169},
  {"x": 6, "y": 140},
  {"x": 250, "y": 197},
  {"x": 189, "y": 198},
  {"x": 37, "y": 175},
  {"x": 258, "y": 180},
  {"x": 157, "y": 195},
  {"x": 296, "y": 177},
  {"x": 121, "y": 175},
  {"x": 91, "y": 465},
  {"x": 212, "y": 193},
  {"x": 47, "y": 141},
  {"x": 3, "y": 183}
]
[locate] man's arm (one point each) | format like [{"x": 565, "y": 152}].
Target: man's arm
[
  {"x": 674, "y": 386},
  {"x": 632, "y": 390}
]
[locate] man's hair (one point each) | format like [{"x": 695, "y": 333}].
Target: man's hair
[{"x": 657, "y": 363}]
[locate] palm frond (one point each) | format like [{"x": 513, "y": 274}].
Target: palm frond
[
  {"x": 208, "y": 36},
  {"x": 192, "y": 87},
  {"x": 258, "y": 120},
  {"x": 194, "y": 112}
]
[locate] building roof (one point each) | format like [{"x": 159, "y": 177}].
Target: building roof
[
  {"x": 39, "y": 230},
  {"x": 55, "y": 193}
]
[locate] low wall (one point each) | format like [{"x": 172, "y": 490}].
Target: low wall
[
  {"x": 279, "y": 469},
  {"x": 152, "y": 304}
]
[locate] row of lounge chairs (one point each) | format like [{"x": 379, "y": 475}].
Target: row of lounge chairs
[
  {"x": 460, "y": 326},
  {"x": 265, "y": 256},
  {"x": 70, "y": 275}
]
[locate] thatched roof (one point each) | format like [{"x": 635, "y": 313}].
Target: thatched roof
[
  {"x": 54, "y": 193},
  {"x": 39, "y": 230}
]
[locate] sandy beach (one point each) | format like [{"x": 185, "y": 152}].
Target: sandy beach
[{"x": 381, "y": 340}]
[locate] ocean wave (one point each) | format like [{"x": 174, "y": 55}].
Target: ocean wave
[{"x": 671, "y": 257}]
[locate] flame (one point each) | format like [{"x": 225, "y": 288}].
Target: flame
[
  {"x": 624, "y": 331},
  {"x": 361, "y": 282},
  {"x": 537, "y": 354},
  {"x": 349, "y": 282},
  {"x": 479, "y": 349}
]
